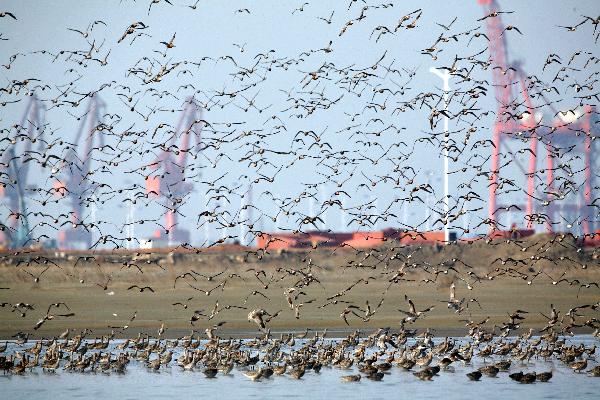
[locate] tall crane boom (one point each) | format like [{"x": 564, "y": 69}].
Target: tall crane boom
[
  {"x": 498, "y": 52},
  {"x": 75, "y": 183},
  {"x": 171, "y": 184},
  {"x": 512, "y": 87},
  {"x": 17, "y": 171},
  {"x": 22, "y": 234},
  {"x": 504, "y": 76}
]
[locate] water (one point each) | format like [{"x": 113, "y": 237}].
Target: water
[{"x": 172, "y": 382}]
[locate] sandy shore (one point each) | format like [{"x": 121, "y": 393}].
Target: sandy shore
[{"x": 96, "y": 291}]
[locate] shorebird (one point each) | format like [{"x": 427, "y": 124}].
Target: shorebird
[
  {"x": 425, "y": 360},
  {"x": 503, "y": 365},
  {"x": 154, "y": 364},
  {"x": 528, "y": 378},
  {"x": 453, "y": 303},
  {"x": 253, "y": 375},
  {"x": 267, "y": 372},
  {"x": 544, "y": 376},
  {"x": 489, "y": 370},
  {"x": 412, "y": 314},
  {"x": 297, "y": 372},
  {"x": 578, "y": 366},
  {"x": 225, "y": 368},
  {"x": 424, "y": 375},
  {"x": 516, "y": 376},
  {"x": 376, "y": 376},
  {"x": 63, "y": 335},
  {"x": 350, "y": 378},
  {"x": 280, "y": 369},
  {"x": 474, "y": 376},
  {"x": 256, "y": 316}
]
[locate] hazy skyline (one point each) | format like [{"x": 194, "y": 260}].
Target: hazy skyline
[{"x": 213, "y": 31}]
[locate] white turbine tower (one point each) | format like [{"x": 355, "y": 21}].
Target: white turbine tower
[
  {"x": 130, "y": 221},
  {"x": 445, "y": 77}
]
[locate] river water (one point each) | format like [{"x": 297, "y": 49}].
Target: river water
[{"x": 173, "y": 383}]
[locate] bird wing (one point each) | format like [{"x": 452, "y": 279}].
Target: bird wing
[{"x": 413, "y": 310}]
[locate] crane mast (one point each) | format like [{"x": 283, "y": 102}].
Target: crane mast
[
  {"x": 13, "y": 191},
  {"x": 511, "y": 83},
  {"x": 171, "y": 184},
  {"x": 76, "y": 184}
]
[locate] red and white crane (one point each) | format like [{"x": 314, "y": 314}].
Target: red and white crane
[
  {"x": 511, "y": 83},
  {"x": 169, "y": 181}
]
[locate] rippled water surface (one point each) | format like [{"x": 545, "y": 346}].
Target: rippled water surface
[{"x": 171, "y": 382}]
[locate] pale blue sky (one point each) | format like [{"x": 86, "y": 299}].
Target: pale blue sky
[{"x": 212, "y": 30}]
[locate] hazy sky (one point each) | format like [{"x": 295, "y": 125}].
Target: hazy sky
[{"x": 214, "y": 30}]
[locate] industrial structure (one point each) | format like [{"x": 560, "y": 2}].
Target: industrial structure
[
  {"x": 541, "y": 205},
  {"x": 29, "y": 131},
  {"x": 352, "y": 240},
  {"x": 573, "y": 131},
  {"x": 169, "y": 182},
  {"x": 75, "y": 182}
]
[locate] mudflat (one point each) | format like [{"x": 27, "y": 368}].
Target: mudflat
[{"x": 493, "y": 278}]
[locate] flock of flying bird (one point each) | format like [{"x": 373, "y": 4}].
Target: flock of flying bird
[
  {"x": 379, "y": 160},
  {"x": 369, "y": 152}
]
